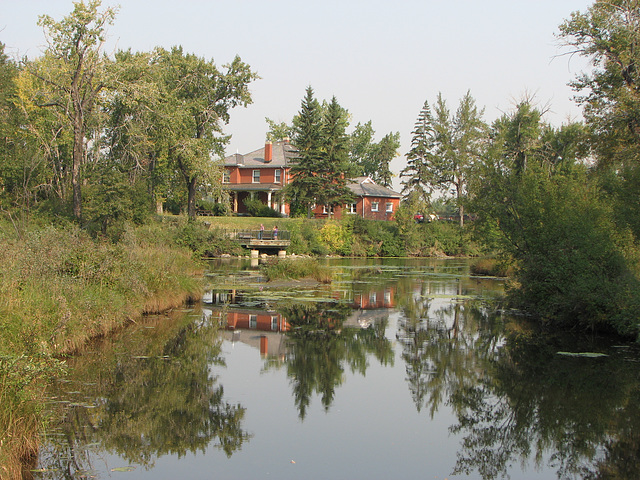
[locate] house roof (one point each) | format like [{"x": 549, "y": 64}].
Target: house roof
[
  {"x": 283, "y": 155},
  {"x": 365, "y": 187}
]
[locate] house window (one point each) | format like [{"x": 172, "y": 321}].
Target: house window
[
  {"x": 256, "y": 176},
  {"x": 226, "y": 177},
  {"x": 253, "y": 321},
  {"x": 278, "y": 173},
  {"x": 373, "y": 298},
  {"x": 326, "y": 210},
  {"x": 389, "y": 207},
  {"x": 353, "y": 208},
  {"x": 274, "y": 323},
  {"x": 374, "y": 206}
]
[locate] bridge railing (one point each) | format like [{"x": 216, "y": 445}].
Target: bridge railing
[{"x": 266, "y": 234}]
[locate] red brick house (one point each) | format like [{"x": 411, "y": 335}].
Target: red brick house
[
  {"x": 264, "y": 172},
  {"x": 261, "y": 173}
]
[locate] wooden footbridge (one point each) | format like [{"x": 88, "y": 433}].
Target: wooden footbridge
[{"x": 262, "y": 240}]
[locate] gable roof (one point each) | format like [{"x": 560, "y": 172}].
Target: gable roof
[
  {"x": 365, "y": 187},
  {"x": 283, "y": 155}
]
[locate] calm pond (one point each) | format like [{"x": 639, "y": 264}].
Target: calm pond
[{"x": 400, "y": 369}]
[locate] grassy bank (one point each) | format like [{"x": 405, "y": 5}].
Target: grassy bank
[
  {"x": 59, "y": 288},
  {"x": 356, "y": 237}
]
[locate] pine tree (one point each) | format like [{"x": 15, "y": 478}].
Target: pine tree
[
  {"x": 419, "y": 155},
  {"x": 323, "y": 155},
  {"x": 335, "y": 161}
]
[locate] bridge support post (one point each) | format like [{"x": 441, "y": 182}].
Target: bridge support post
[
  {"x": 255, "y": 253},
  {"x": 282, "y": 253}
]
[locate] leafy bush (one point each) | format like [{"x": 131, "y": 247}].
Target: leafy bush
[
  {"x": 203, "y": 242},
  {"x": 574, "y": 266},
  {"x": 213, "y": 208},
  {"x": 375, "y": 238},
  {"x": 306, "y": 238},
  {"x": 256, "y": 208},
  {"x": 337, "y": 237}
]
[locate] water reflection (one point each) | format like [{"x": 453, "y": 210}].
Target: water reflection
[
  {"x": 581, "y": 411},
  {"x": 149, "y": 394},
  {"x": 314, "y": 342},
  {"x": 513, "y": 406}
]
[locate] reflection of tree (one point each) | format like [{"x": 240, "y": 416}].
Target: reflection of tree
[
  {"x": 539, "y": 403},
  {"x": 153, "y": 395},
  {"x": 442, "y": 346},
  {"x": 320, "y": 346}
]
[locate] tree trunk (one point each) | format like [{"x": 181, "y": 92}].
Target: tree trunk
[
  {"x": 78, "y": 151},
  {"x": 191, "y": 198}
]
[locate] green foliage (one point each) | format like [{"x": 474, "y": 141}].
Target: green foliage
[
  {"x": 490, "y": 267},
  {"x": 211, "y": 207},
  {"x": 444, "y": 149},
  {"x": 278, "y": 131},
  {"x": 202, "y": 241},
  {"x": 372, "y": 159},
  {"x": 318, "y": 176},
  {"x": 256, "y": 208},
  {"x": 607, "y": 34},
  {"x": 305, "y": 238},
  {"x": 22, "y": 382},
  {"x": 288, "y": 268},
  {"x": 337, "y": 236},
  {"x": 574, "y": 266},
  {"x": 376, "y": 239}
]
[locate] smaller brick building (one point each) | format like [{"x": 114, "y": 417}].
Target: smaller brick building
[{"x": 373, "y": 202}]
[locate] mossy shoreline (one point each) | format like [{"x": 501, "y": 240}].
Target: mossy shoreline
[{"x": 60, "y": 289}]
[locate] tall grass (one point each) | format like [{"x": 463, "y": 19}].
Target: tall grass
[
  {"x": 296, "y": 268},
  {"x": 58, "y": 290}
]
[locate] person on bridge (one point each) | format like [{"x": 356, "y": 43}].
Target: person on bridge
[
  {"x": 261, "y": 231},
  {"x": 275, "y": 232}
]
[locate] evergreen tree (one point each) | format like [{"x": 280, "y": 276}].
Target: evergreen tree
[
  {"x": 319, "y": 171},
  {"x": 419, "y": 156},
  {"x": 307, "y": 134},
  {"x": 334, "y": 162}
]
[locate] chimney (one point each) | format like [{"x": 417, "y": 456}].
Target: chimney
[{"x": 268, "y": 152}]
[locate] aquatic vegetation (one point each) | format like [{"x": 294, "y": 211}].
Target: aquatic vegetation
[{"x": 289, "y": 268}]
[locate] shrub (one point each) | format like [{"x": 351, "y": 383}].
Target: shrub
[
  {"x": 290, "y": 268},
  {"x": 256, "y": 208},
  {"x": 337, "y": 237}
]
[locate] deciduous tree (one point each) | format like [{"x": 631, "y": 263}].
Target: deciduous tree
[
  {"x": 73, "y": 75},
  {"x": 197, "y": 98}
]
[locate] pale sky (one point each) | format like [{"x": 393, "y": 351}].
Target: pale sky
[{"x": 381, "y": 59}]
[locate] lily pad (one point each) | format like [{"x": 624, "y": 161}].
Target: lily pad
[
  {"x": 583, "y": 354},
  {"x": 123, "y": 469}
]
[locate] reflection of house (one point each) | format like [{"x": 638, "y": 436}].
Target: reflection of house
[
  {"x": 260, "y": 329},
  {"x": 263, "y": 173},
  {"x": 255, "y": 320},
  {"x": 382, "y": 298}
]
